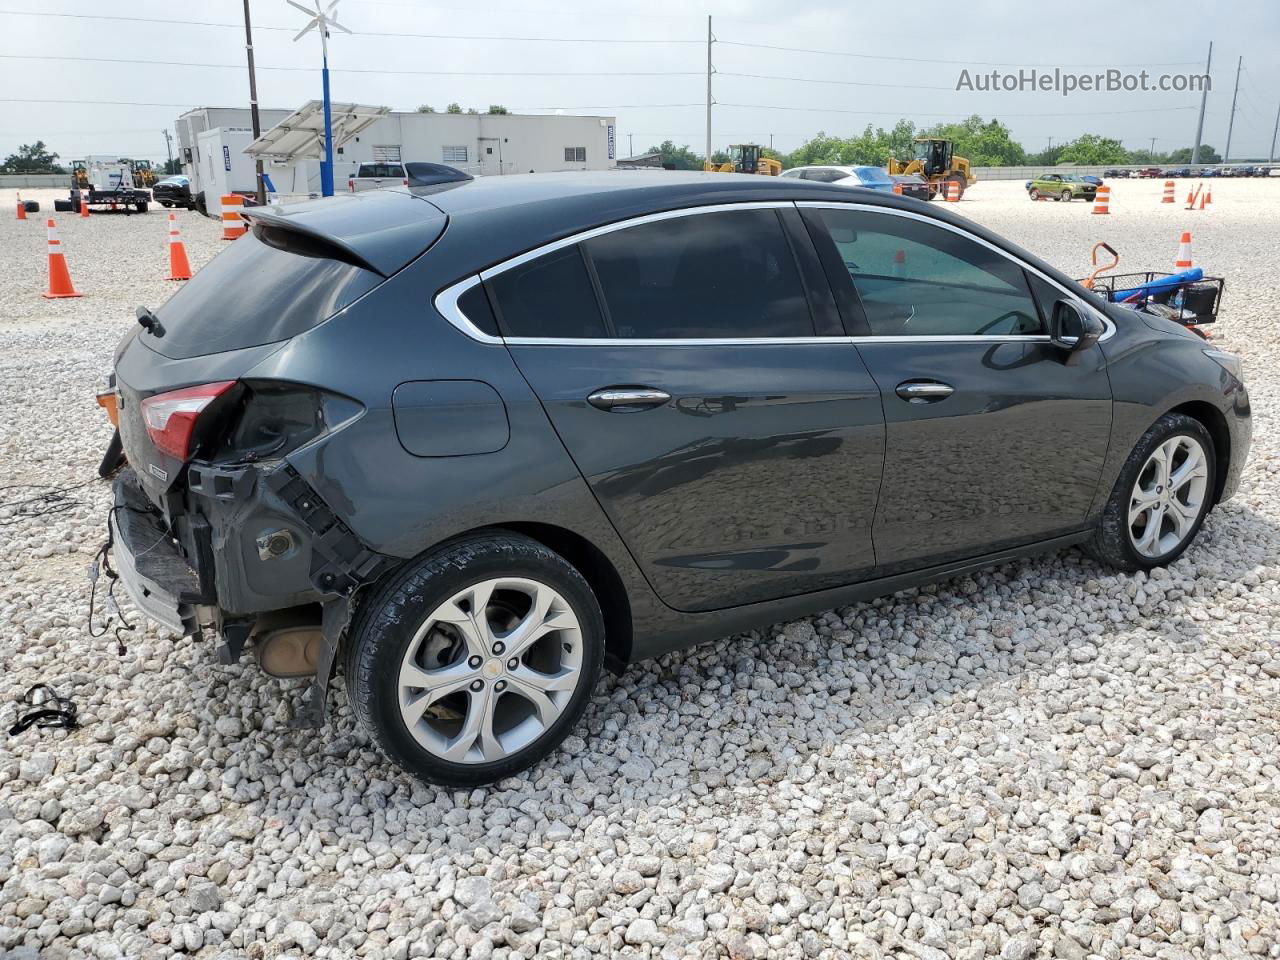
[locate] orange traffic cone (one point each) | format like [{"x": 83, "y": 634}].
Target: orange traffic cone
[
  {"x": 897, "y": 188},
  {"x": 22, "y": 208},
  {"x": 1208, "y": 197},
  {"x": 1102, "y": 200},
  {"x": 179, "y": 268},
  {"x": 84, "y": 205},
  {"x": 1184, "y": 252},
  {"x": 953, "y": 192},
  {"x": 59, "y": 276},
  {"x": 1168, "y": 192}
]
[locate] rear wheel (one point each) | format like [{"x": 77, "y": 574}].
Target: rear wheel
[
  {"x": 1161, "y": 497},
  {"x": 476, "y": 661},
  {"x": 1033, "y": 193},
  {"x": 1066, "y": 195}
]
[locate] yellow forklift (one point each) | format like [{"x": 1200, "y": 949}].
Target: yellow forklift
[
  {"x": 746, "y": 158},
  {"x": 937, "y": 163}
]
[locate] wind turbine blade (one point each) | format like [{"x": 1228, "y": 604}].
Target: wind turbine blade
[
  {"x": 332, "y": 7},
  {"x": 297, "y": 6},
  {"x": 336, "y": 25},
  {"x": 305, "y": 30}
]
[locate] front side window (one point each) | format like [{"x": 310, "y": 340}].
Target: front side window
[
  {"x": 917, "y": 279},
  {"x": 722, "y": 275},
  {"x": 575, "y": 154}
]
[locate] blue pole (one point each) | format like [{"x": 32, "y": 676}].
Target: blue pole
[{"x": 326, "y": 166}]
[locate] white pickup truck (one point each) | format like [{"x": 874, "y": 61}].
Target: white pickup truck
[{"x": 374, "y": 176}]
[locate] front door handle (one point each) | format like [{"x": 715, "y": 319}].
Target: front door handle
[
  {"x": 627, "y": 399},
  {"x": 924, "y": 391}
]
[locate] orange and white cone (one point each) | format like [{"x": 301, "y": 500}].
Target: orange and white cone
[
  {"x": 1208, "y": 197},
  {"x": 953, "y": 192},
  {"x": 1184, "y": 252},
  {"x": 179, "y": 268},
  {"x": 1168, "y": 192},
  {"x": 59, "y": 276},
  {"x": 84, "y": 205},
  {"x": 22, "y": 208},
  {"x": 1102, "y": 200}
]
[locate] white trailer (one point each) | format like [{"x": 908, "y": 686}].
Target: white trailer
[{"x": 223, "y": 168}]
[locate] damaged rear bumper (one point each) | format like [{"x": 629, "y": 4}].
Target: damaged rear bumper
[{"x": 151, "y": 568}]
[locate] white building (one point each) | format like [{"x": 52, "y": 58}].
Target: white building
[{"x": 480, "y": 144}]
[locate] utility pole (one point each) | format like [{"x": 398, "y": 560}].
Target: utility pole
[
  {"x": 1151, "y": 154},
  {"x": 631, "y": 146},
  {"x": 1271, "y": 157},
  {"x": 771, "y": 141},
  {"x": 706, "y": 158},
  {"x": 253, "y": 100},
  {"x": 1204, "y": 98},
  {"x": 1231, "y": 122},
  {"x": 168, "y": 148}
]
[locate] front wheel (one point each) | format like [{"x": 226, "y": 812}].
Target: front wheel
[
  {"x": 1033, "y": 193},
  {"x": 1161, "y": 497},
  {"x": 1066, "y": 195},
  {"x": 476, "y": 661}
]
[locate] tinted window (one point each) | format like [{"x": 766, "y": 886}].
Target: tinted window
[
  {"x": 269, "y": 285},
  {"x": 474, "y": 305},
  {"x": 551, "y": 296},
  {"x": 711, "y": 275},
  {"x": 380, "y": 170},
  {"x": 916, "y": 279}
]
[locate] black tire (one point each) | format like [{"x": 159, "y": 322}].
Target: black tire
[
  {"x": 1033, "y": 193},
  {"x": 31, "y": 206},
  {"x": 166, "y": 204},
  {"x": 62, "y": 206},
  {"x": 142, "y": 207},
  {"x": 1112, "y": 542},
  {"x": 388, "y": 619},
  {"x": 1066, "y": 196}
]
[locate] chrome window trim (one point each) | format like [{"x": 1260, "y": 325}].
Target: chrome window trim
[{"x": 446, "y": 301}]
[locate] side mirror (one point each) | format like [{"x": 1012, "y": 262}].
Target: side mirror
[{"x": 1072, "y": 327}]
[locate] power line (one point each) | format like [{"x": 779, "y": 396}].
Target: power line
[
  {"x": 425, "y": 73},
  {"x": 899, "y": 113},
  {"x": 962, "y": 63},
  {"x": 847, "y": 83},
  {"x": 361, "y": 33}
]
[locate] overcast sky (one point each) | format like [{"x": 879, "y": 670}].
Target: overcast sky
[{"x": 1168, "y": 37}]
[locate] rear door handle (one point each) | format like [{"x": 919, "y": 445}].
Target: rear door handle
[
  {"x": 627, "y": 399},
  {"x": 924, "y": 391}
]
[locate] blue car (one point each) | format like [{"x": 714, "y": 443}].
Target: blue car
[{"x": 873, "y": 178}]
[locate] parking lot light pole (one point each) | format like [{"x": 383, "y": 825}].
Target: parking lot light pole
[
  {"x": 1204, "y": 98},
  {"x": 1231, "y": 122},
  {"x": 253, "y": 102},
  {"x": 1271, "y": 156}
]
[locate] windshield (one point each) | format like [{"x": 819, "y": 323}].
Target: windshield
[
  {"x": 872, "y": 175},
  {"x": 922, "y": 151},
  {"x": 380, "y": 170}
]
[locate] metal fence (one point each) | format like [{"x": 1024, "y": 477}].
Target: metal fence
[{"x": 35, "y": 180}]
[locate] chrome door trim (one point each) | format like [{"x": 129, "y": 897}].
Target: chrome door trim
[{"x": 446, "y": 301}]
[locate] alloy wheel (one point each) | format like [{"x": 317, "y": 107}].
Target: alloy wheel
[
  {"x": 1168, "y": 496},
  {"x": 490, "y": 670}
]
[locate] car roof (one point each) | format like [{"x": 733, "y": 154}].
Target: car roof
[{"x": 491, "y": 219}]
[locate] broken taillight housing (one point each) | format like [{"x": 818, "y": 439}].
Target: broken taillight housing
[{"x": 171, "y": 417}]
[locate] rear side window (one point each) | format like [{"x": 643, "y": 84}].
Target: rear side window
[
  {"x": 269, "y": 285},
  {"x": 917, "y": 279},
  {"x": 551, "y": 296},
  {"x": 708, "y": 276},
  {"x": 380, "y": 170}
]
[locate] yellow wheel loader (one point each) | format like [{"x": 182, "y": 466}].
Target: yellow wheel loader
[
  {"x": 936, "y": 161},
  {"x": 746, "y": 158}
]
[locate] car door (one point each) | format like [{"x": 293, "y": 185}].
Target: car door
[
  {"x": 694, "y": 365},
  {"x": 995, "y": 437}
]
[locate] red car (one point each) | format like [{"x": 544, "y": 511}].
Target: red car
[{"x": 1149, "y": 172}]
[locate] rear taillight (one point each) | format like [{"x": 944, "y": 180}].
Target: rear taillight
[{"x": 171, "y": 417}]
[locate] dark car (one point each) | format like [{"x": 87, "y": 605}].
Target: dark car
[
  {"x": 1178, "y": 173},
  {"x": 174, "y": 192},
  {"x": 421, "y": 174},
  {"x": 913, "y": 185},
  {"x": 477, "y": 444}
]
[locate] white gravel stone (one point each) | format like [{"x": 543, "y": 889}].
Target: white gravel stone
[{"x": 1044, "y": 759}]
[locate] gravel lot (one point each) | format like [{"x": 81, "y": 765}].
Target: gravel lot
[{"x": 1044, "y": 760}]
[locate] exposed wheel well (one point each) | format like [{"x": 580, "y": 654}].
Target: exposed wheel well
[
  {"x": 1216, "y": 424},
  {"x": 600, "y": 574}
]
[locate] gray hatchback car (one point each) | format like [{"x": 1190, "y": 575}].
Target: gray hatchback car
[{"x": 478, "y": 441}]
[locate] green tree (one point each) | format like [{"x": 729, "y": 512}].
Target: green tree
[
  {"x": 426, "y": 108},
  {"x": 1047, "y": 157},
  {"x": 1207, "y": 155},
  {"x": 1091, "y": 148},
  {"x": 984, "y": 143},
  {"x": 497, "y": 109},
  {"x": 678, "y": 158},
  {"x": 453, "y": 108},
  {"x": 472, "y": 110},
  {"x": 172, "y": 167},
  {"x": 32, "y": 158}
]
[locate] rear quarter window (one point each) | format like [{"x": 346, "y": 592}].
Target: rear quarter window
[{"x": 269, "y": 285}]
